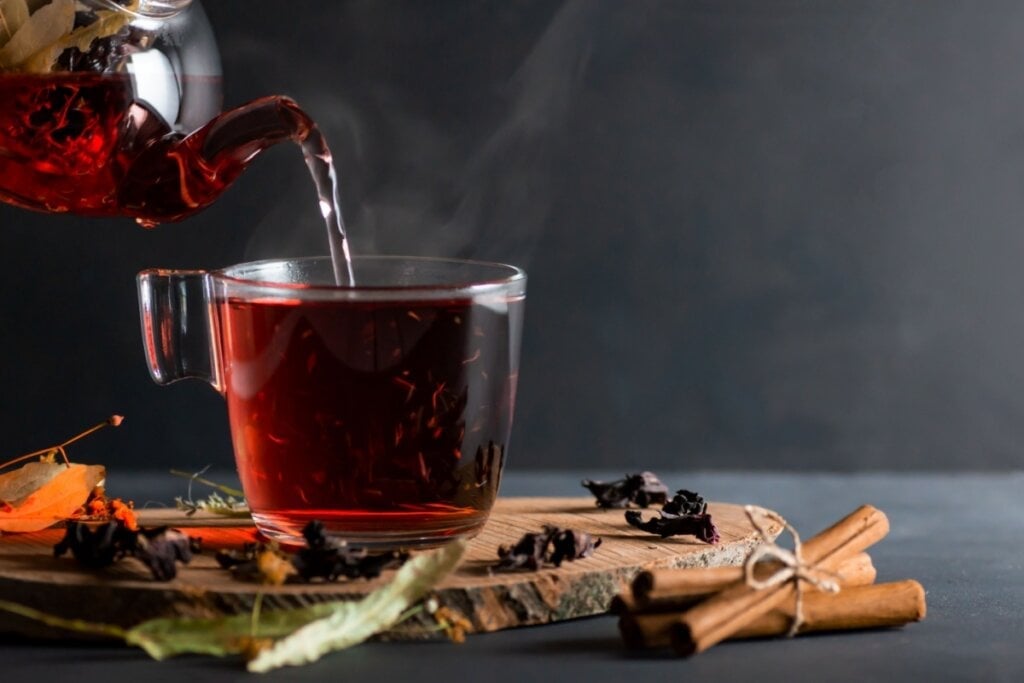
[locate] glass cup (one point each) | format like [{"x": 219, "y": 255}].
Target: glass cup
[{"x": 382, "y": 410}]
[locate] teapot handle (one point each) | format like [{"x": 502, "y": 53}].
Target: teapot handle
[{"x": 178, "y": 326}]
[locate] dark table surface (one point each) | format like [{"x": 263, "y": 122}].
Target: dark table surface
[{"x": 961, "y": 535}]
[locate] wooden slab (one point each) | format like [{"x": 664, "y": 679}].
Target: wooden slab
[{"x": 125, "y": 594}]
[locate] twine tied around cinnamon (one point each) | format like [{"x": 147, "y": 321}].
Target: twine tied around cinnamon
[{"x": 793, "y": 566}]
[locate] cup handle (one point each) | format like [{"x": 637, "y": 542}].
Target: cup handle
[{"x": 177, "y": 326}]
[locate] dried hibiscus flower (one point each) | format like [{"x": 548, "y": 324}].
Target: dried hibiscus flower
[
  {"x": 322, "y": 558},
  {"x": 685, "y": 515},
  {"x": 96, "y": 547},
  {"x": 530, "y": 553},
  {"x": 327, "y": 558},
  {"x": 44, "y": 492},
  {"x": 99, "y": 546},
  {"x": 642, "y": 489},
  {"x": 567, "y": 544},
  {"x": 685, "y": 503},
  {"x": 550, "y": 547},
  {"x": 161, "y": 550}
]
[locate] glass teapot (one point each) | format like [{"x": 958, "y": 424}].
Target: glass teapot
[{"x": 112, "y": 108}]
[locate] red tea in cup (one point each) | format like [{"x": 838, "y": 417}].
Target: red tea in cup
[{"x": 382, "y": 410}]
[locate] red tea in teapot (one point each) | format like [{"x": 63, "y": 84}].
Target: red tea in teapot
[
  {"x": 70, "y": 140},
  {"x": 83, "y": 143}
]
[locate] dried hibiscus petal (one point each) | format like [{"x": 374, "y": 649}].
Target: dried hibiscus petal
[
  {"x": 161, "y": 549},
  {"x": 641, "y": 489},
  {"x": 685, "y": 503},
  {"x": 550, "y": 547},
  {"x": 96, "y": 547},
  {"x": 99, "y": 546},
  {"x": 229, "y": 559},
  {"x": 700, "y": 526},
  {"x": 567, "y": 544},
  {"x": 529, "y": 553},
  {"x": 326, "y": 558}
]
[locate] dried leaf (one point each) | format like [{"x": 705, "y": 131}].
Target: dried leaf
[
  {"x": 19, "y": 484},
  {"x": 305, "y": 634},
  {"x": 350, "y": 623},
  {"x": 107, "y": 23},
  {"x": 38, "y": 494},
  {"x": 48, "y": 25},
  {"x": 13, "y": 15}
]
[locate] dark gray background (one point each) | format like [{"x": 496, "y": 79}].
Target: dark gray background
[{"x": 760, "y": 234}]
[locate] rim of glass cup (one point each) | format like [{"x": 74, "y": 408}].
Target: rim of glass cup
[{"x": 508, "y": 280}]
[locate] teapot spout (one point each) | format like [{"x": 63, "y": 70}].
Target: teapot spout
[{"x": 179, "y": 176}]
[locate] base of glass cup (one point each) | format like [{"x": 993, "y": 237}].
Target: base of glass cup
[{"x": 287, "y": 530}]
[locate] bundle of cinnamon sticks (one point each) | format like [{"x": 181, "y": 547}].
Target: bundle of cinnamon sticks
[{"x": 691, "y": 610}]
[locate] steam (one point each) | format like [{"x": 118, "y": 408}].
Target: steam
[
  {"x": 509, "y": 185},
  {"x": 408, "y": 183}
]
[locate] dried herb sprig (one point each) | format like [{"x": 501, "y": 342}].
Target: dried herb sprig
[
  {"x": 641, "y": 489},
  {"x": 685, "y": 515},
  {"x": 550, "y": 547},
  {"x": 233, "y": 505},
  {"x": 215, "y": 504},
  {"x": 160, "y": 548}
]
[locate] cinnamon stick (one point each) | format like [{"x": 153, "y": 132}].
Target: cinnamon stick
[
  {"x": 673, "y": 590},
  {"x": 733, "y": 609},
  {"x": 855, "y": 607}
]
